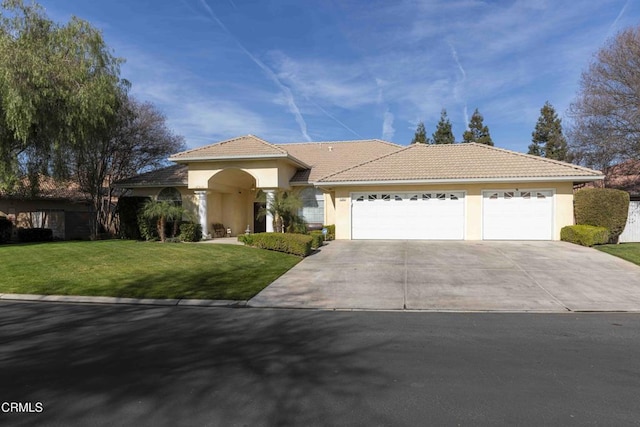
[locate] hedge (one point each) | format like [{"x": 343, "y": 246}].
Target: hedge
[
  {"x": 290, "y": 243},
  {"x": 27, "y": 235},
  {"x": 585, "y": 235},
  {"x": 5, "y": 230},
  {"x": 331, "y": 231},
  {"x": 602, "y": 207},
  {"x": 190, "y": 232},
  {"x": 318, "y": 238}
]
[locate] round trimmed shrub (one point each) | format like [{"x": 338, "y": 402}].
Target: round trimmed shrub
[{"x": 602, "y": 207}]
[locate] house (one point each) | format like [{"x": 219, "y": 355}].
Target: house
[
  {"x": 373, "y": 189},
  {"x": 59, "y": 205}
]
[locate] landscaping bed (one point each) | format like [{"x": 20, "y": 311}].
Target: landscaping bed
[{"x": 130, "y": 269}]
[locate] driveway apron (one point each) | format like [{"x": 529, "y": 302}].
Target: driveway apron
[{"x": 457, "y": 276}]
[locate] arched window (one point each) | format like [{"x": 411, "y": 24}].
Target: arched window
[{"x": 170, "y": 194}]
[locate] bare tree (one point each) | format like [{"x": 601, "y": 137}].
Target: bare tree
[
  {"x": 140, "y": 141},
  {"x": 606, "y": 112}
]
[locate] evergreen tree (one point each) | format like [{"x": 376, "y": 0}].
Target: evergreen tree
[
  {"x": 420, "y": 136},
  {"x": 547, "y": 138},
  {"x": 477, "y": 131},
  {"x": 443, "y": 133}
]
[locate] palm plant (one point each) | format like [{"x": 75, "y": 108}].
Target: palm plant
[
  {"x": 162, "y": 211},
  {"x": 284, "y": 208}
]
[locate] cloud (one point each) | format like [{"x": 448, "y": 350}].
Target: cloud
[{"x": 387, "y": 126}]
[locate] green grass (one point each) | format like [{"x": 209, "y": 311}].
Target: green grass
[
  {"x": 628, "y": 251},
  {"x": 122, "y": 268}
]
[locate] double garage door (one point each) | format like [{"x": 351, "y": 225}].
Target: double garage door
[{"x": 506, "y": 215}]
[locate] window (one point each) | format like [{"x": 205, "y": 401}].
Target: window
[
  {"x": 373, "y": 197},
  {"x": 453, "y": 197},
  {"x": 397, "y": 197},
  {"x": 426, "y": 196},
  {"x": 441, "y": 196},
  {"x": 414, "y": 197},
  {"x": 360, "y": 199},
  {"x": 170, "y": 194},
  {"x": 541, "y": 196},
  {"x": 508, "y": 195},
  {"x": 526, "y": 194},
  {"x": 493, "y": 196},
  {"x": 313, "y": 205}
]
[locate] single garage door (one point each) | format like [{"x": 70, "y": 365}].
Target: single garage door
[
  {"x": 517, "y": 215},
  {"x": 416, "y": 215}
]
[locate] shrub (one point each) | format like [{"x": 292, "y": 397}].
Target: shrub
[
  {"x": 585, "y": 235},
  {"x": 247, "y": 239},
  {"x": 27, "y": 235},
  {"x": 331, "y": 231},
  {"x": 296, "y": 244},
  {"x": 318, "y": 238},
  {"x": 128, "y": 209},
  {"x": 190, "y": 232},
  {"x": 5, "y": 230},
  {"x": 147, "y": 227},
  {"x": 603, "y": 207}
]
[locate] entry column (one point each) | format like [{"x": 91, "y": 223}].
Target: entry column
[
  {"x": 269, "y": 217},
  {"x": 202, "y": 211}
]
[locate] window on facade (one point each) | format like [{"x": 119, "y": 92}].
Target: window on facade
[
  {"x": 397, "y": 197},
  {"x": 441, "y": 196},
  {"x": 360, "y": 199},
  {"x": 453, "y": 197},
  {"x": 373, "y": 196},
  {"x": 313, "y": 205},
  {"x": 541, "y": 196},
  {"x": 170, "y": 194},
  {"x": 508, "y": 194},
  {"x": 526, "y": 194},
  {"x": 426, "y": 196},
  {"x": 386, "y": 197}
]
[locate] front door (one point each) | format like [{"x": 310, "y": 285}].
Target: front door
[{"x": 259, "y": 225}]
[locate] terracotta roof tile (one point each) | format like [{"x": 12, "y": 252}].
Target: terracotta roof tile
[
  {"x": 171, "y": 176},
  {"x": 329, "y": 157},
  {"x": 244, "y": 146},
  {"x": 457, "y": 161}
]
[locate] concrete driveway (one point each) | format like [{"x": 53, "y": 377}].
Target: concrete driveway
[{"x": 467, "y": 276}]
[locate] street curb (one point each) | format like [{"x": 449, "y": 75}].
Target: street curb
[{"x": 127, "y": 301}]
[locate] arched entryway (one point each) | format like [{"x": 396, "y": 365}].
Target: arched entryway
[{"x": 231, "y": 202}]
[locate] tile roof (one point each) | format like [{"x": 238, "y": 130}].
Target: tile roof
[
  {"x": 171, "y": 176},
  {"x": 457, "y": 161},
  {"x": 48, "y": 188},
  {"x": 329, "y": 157},
  {"x": 243, "y": 146}
]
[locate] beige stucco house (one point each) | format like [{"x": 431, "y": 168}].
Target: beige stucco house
[{"x": 373, "y": 189}]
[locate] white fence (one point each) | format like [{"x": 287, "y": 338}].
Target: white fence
[{"x": 631, "y": 231}]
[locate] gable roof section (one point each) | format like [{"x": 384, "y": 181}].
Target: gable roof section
[
  {"x": 171, "y": 176},
  {"x": 458, "y": 162},
  {"x": 328, "y": 157},
  {"x": 243, "y": 147}
]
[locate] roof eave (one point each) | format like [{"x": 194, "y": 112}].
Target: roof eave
[
  {"x": 579, "y": 178},
  {"x": 149, "y": 185}
]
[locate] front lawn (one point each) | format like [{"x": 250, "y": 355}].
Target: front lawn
[
  {"x": 628, "y": 251},
  {"x": 122, "y": 268}
]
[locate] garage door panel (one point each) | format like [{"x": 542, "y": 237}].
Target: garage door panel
[
  {"x": 517, "y": 215},
  {"x": 408, "y": 216}
]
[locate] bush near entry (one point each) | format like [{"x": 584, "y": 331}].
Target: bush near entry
[
  {"x": 318, "y": 238},
  {"x": 585, "y": 235},
  {"x": 5, "y": 230},
  {"x": 190, "y": 232},
  {"x": 290, "y": 243},
  {"x": 602, "y": 207}
]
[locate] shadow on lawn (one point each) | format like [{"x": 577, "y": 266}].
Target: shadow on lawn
[{"x": 116, "y": 365}]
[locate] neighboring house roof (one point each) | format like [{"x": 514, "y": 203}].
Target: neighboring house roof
[
  {"x": 624, "y": 176},
  {"x": 459, "y": 162},
  {"x": 171, "y": 176},
  {"x": 244, "y": 147},
  {"x": 48, "y": 189},
  {"x": 328, "y": 157}
]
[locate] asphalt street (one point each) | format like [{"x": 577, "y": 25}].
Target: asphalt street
[{"x": 143, "y": 366}]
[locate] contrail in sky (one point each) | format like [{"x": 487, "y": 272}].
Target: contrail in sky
[
  {"x": 454, "y": 53},
  {"x": 293, "y": 107}
]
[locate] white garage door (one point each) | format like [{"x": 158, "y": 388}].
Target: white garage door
[
  {"x": 517, "y": 215},
  {"x": 417, "y": 215}
]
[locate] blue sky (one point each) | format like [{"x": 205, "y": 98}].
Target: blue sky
[{"x": 297, "y": 70}]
